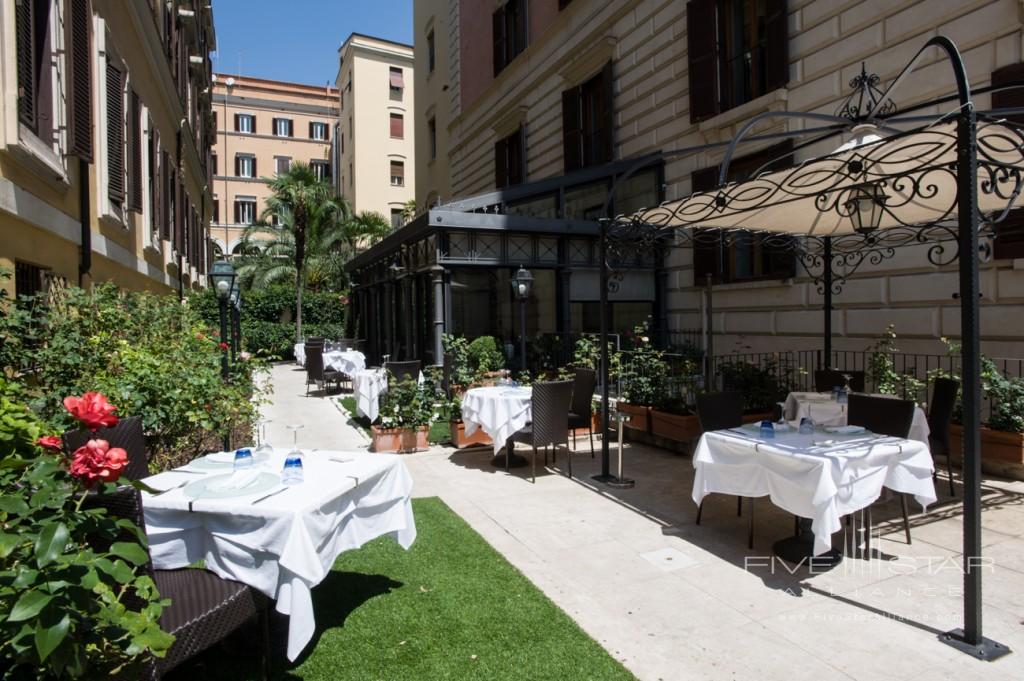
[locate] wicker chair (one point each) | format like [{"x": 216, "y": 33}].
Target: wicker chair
[
  {"x": 404, "y": 371},
  {"x": 315, "y": 371},
  {"x": 550, "y": 425},
  {"x": 581, "y": 411},
  {"x": 720, "y": 411},
  {"x": 204, "y": 608},
  {"x": 883, "y": 416},
  {"x": 127, "y": 435},
  {"x": 826, "y": 379},
  {"x": 940, "y": 414}
]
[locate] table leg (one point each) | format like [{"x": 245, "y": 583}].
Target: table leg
[
  {"x": 509, "y": 459},
  {"x": 800, "y": 549}
]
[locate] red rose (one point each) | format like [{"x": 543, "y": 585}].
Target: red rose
[
  {"x": 51, "y": 442},
  {"x": 200, "y": 336},
  {"x": 95, "y": 461},
  {"x": 223, "y": 345},
  {"x": 92, "y": 409}
]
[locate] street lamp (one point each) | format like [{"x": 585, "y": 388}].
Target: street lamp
[
  {"x": 521, "y": 285},
  {"x": 235, "y": 298},
  {"x": 222, "y": 274},
  {"x": 865, "y": 208}
]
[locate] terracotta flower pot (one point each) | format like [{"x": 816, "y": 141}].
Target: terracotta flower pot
[
  {"x": 400, "y": 440},
  {"x": 996, "y": 445},
  {"x": 461, "y": 440},
  {"x": 679, "y": 427},
  {"x": 639, "y": 417}
]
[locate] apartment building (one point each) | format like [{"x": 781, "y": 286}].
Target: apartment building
[
  {"x": 434, "y": 77},
  {"x": 550, "y": 100},
  {"x": 263, "y": 126},
  {"x": 105, "y": 131},
  {"x": 376, "y": 136}
]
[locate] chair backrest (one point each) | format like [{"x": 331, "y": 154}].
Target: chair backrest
[
  {"x": 550, "y": 405},
  {"x": 940, "y": 413},
  {"x": 718, "y": 411},
  {"x": 583, "y": 392},
  {"x": 881, "y": 415},
  {"x": 127, "y": 435},
  {"x": 314, "y": 362},
  {"x": 404, "y": 371},
  {"x": 826, "y": 379}
]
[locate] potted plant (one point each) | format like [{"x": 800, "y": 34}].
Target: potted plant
[
  {"x": 406, "y": 411},
  {"x": 643, "y": 380},
  {"x": 761, "y": 386},
  {"x": 472, "y": 364}
]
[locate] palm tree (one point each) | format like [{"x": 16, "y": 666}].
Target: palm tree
[{"x": 408, "y": 211}]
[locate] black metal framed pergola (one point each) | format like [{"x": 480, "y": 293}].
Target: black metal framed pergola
[{"x": 943, "y": 184}]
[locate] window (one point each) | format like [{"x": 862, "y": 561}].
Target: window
[
  {"x": 430, "y": 52},
  {"x": 35, "y": 77},
  {"x": 322, "y": 170},
  {"x": 397, "y": 126},
  {"x": 397, "y": 174},
  {"x": 283, "y": 127},
  {"x": 245, "y": 123},
  {"x": 213, "y": 163},
  {"x": 396, "y": 218},
  {"x": 746, "y": 58},
  {"x": 245, "y": 210},
  {"x": 587, "y": 122},
  {"x": 432, "y": 137},
  {"x": 318, "y": 131},
  {"x": 282, "y": 164},
  {"x": 508, "y": 24},
  {"x": 508, "y": 160},
  {"x": 28, "y": 279},
  {"x": 245, "y": 165},
  {"x": 746, "y": 258},
  {"x": 134, "y": 152},
  {"x": 1009, "y": 241},
  {"x": 395, "y": 80},
  {"x": 216, "y": 210},
  {"x": 115, "y": 134}
]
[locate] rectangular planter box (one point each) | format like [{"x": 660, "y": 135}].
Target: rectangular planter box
[
  {"x": 996, "y": 445},
  {"x": 461, "y": 440},
  {"x": 639, "y": 417},
  {"x": 400, "y": 440},
  {"x": 678, "y": 427}
]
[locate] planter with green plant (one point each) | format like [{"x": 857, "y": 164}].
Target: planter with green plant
[
  {"x": 472, "y": 364},
  {"x": 761, "y": 386},
  {"x": 643, "y": 378},
  {"x": 406, "y": 411}
]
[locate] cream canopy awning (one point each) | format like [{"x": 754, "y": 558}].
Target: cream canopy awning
[{"x": 914, "y": 170}]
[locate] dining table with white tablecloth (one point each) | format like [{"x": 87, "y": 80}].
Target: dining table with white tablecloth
[
  {"x": 822, "y": 476},
  {"x": 280, "y": 540},
  {"x": 367, "y": 387},
  {"x": 825, "y": 410},
  {"x": 347, "y": 362},
  {"x": 499, "y": 411}
]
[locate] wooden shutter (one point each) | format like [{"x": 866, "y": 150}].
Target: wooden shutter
[
  {"x": 237, "y": 125},
  {"x": 238, "y": 212},
  {"x": 397, "y": 126},
  {"x": 134, "y": 152},
  {"x": 776, "y": 45},
  {"x": 572, "y": 130},
  {"x": 606, "y": 115},
  {"x": 291, "y": 128},
  {"x": 79, "y": 98},
  {"x": 327, "y": 132},
  {"x": 517, "y": 41},
  {"x": 179, "y": 216},
  {"x": 500, "y": 164},
  {"x": 706, "y": 258},
  {"x": 499, "y": 38},
  {"x": 311, "y": 130},
  {"x": 1009, "y": 241},
  {"x": 255, "y": 173},
  {"x": 167, "y": 180},
  {"x": 115, "y": 134},
  {"x": 702, "y": 57},
  {"x": 158, "y": 178},
  {"x": 238, "y": 166},
  {"x": 24, "y": 20}
]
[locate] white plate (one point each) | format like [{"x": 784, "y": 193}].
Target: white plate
[
  {"x": 845, "y": 430},
  {"x": 200, "y": 488}
]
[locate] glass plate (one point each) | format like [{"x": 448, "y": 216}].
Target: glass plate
[
  {"x": 208, "y": 463},
  {"x": 198, "y": 489}
]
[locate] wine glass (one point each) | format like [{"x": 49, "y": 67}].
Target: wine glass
[
  {"x": 263, "y": 446},
  {"x": 292, "y": 473}
]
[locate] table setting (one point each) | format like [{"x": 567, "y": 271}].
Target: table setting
[
  {"x": 829, "y": 409},
  {"x": 276, "y": 519},
  {"x": 499, "y": 411}
]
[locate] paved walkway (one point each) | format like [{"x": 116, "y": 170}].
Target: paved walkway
[{"x": 673, "y": 600}]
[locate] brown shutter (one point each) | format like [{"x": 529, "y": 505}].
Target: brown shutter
[
  {"x": 237, "y": 127},
  {"x": 327, "y": 132},
  {"x": 24, "y": 19},
  {"x": 135, "y": 152},
  {"x": 255, "y": 173},
  {"x": 498, "y": 36},
  {"x": 397, "y": 126},
  {"x": 238, "y": 212},
  {"x": 572, "y": 130},
  {"x": 115, "y": 134},
  {"x": 607, "y": 114},
  {"x": 500, "y": 164},
  {"x": 238, "y": 166},
  {"x": 179, "y": 216},
  {"x": 158, "y": 179},
  {"x": 291, "y": 128},
  {"x": 167, "y": 176},
  {"x": 776, "y": 45},
  {"x": 79, "y": 32},
  {"x": 702, "y": 56},
  {"x": 1009, "y": 241},
  {"x": 311, "y": 130}
]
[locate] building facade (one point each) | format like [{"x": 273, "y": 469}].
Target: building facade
[
  {"x": 546, "y": 88},
  {"x": 435, "y": 97},
  {"x": 263, "y": 126},
  {"x": 376, "y": 137},
  {"x": 105, "y": 132}
]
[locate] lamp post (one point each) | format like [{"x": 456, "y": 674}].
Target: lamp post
[
  {"x": 222, "y": 274},
  {"x": 235, "y": 298},
  {"x": 521, "y": 285}
]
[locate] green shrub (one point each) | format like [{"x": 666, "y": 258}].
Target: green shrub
[
  {"x": 643, "y": 371},
  {"x": 484, "y": 355}
]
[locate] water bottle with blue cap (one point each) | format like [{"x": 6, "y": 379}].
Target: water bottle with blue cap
[
  {"x": 243, "y": 459},
  {"x": 767, "y": 430}
]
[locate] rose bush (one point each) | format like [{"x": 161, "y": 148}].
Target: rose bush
[
  {"x": 96, "y": 461},
  {"x": 92, "y": 409}
]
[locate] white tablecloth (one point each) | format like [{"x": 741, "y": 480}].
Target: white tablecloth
[
  {"x": 368, "y": 385},
  {"x": 821, "y": 476},
  {"x": 499, "y": 411},
  {"x": 346, "y": 361},
  {"x": 285, "y": 545},
  {"x": 825, "y": 411}
]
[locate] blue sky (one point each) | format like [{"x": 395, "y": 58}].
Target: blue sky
[{"x": 298, "y": 40}]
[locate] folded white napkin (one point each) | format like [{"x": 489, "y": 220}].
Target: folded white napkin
[
  {"x": 220, "y": 457},
  {"x": 237, "y": 480},
  {"x": 845, "y": 430}
]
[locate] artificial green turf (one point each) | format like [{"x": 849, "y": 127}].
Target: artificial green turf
[
  {"x": 449, "y": 608},
  {"x": 349, "y": 405}
]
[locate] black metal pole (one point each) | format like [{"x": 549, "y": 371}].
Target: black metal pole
[
  {"x": 234, "y": 334},
  {"x": 709, "y": 359},
  {"x": 522, "y": 333},
  {"x": 827, "y": 283},
  {"x": 603, "y": 284},
  {"x": 223, "y": 337}
]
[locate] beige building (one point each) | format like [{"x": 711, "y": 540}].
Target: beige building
[
  {"x": 104, "y": 143},
  {"x": 376, "y": 135},
  {"x": 263, "y": 126},
  {"x": 544, "y": 89},
  {"x": 435, "y": 94}
]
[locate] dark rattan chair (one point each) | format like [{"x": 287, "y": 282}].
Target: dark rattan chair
[
  {"x": 127, "y": 435},
  {"x": 550, "y": 425},
  {"x": 940, "y": 415},
  {"x": 826, "y": 379},
  {"x": 883, "y": 416},
  {"x": 404, "y": 371},
  {"x": 204, "y": 608},
  {"x": 719, "y": 411},
  {"x": 581, "y": 411},
  {"x": 315, "y": 371}
]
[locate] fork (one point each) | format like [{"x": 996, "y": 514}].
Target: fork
[{"x": 171, "y": 489}]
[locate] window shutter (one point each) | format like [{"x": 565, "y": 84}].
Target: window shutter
[
  {"x": 158, "y": 178},
  {"x": 498, "y": 34},
  {"x": 291, "y": 128},
  {"x": 238, "y": 166},
  {"x": 135, "y": 152},
  {"x": 24, "y": 19},
  {"x": 238, "y": 213},
  {"x": 702, "y": 56},
  {"x": 115, "y": 134},
  {"x": 397, "y": 126},
  {"x": 776, "y": 45},
  {"x": 500, "y": 164},
  {"x": 327, "y": 132},
  {"x": 179, "y": 218},
  {"x": 310, "y": 130},
  {"x": 1009, "y": 241},
  {"x": 254, "y": 171},
  {"x": 517, "y": 41},
  {"x": 706, "y": 258},
  {"x": 572, "y": 130},
  {"x": 79, "y": 97},
  {"x": 238, "y": 126},
  {"x": 167, "y": 175},
  {"x": 607, "y": 114}
]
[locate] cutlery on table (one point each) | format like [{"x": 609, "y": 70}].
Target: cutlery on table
[
  {"x": 331, "y": 458},
  {"x": 171, "y": 489},
  {"x": 267, "y": 496}
]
